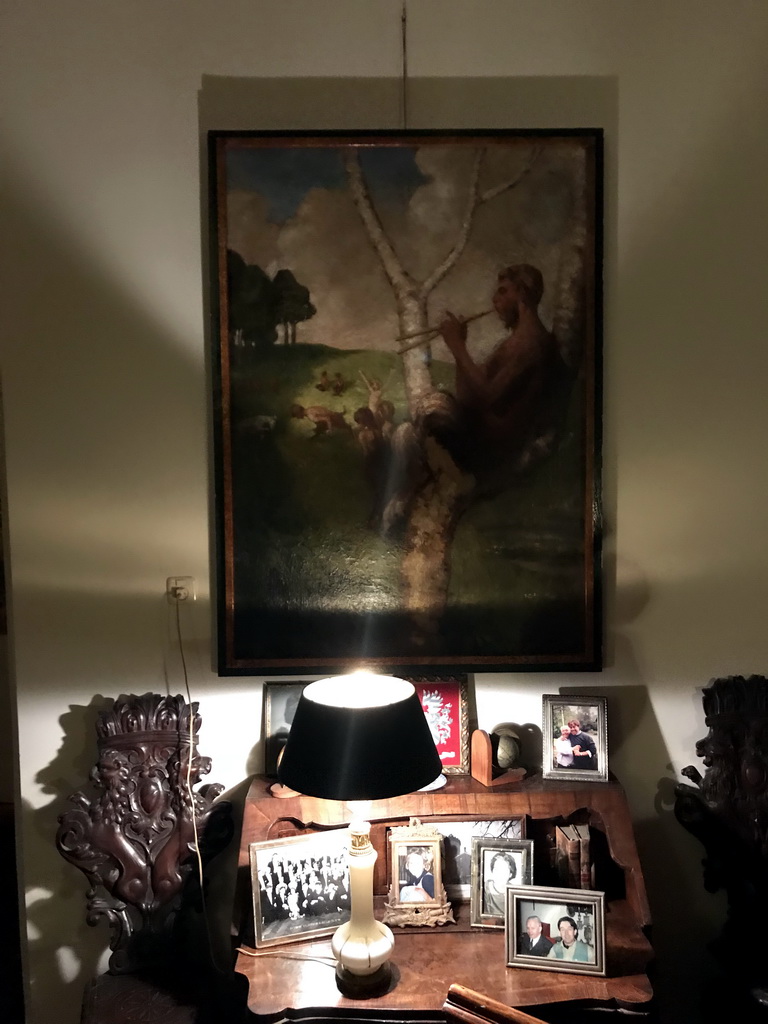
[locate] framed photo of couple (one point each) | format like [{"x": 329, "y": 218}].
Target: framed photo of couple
[{"x": 575, "y": 737}]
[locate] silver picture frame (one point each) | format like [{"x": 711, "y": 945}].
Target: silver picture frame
[
  {"x": 583, "y": 755},
  {"x": 572, "y": 922},
  {"x": 300, "y": 886},
  {"x": 496, "y": 864}
]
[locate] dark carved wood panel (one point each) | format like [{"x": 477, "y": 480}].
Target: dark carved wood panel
[
  {"x": 727, "y": 810},
  {"x": 134, "y": 834}
]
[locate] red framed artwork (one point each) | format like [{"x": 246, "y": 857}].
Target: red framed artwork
[{"x": 446, "y": 706}]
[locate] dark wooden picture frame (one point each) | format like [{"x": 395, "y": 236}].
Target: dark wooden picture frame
[
  {"x": 279, "y": 702},
  {"x": 395, "y": 486},
  {"x": 459, "y": 833}
]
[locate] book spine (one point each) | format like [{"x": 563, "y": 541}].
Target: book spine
[
  {"x": 568, "y": 858},
  {"x": 585, "y": 871},
  {"x": 574, "y": 862},
  {"x": 561, "y": 855}
]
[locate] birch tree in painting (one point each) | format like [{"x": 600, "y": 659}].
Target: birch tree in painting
[{"x": 435, "y": 507}]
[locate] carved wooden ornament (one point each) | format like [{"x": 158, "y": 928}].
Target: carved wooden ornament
[{"x": 134, "y": 837}]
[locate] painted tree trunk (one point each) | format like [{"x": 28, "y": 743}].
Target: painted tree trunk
[
  {"x": 426, "y": 565},
  {"x": 446, "y": 491}
]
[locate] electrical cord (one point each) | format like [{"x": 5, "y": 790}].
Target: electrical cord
[
  {"x": 191, "y": 750},
  {"x": 188, "y": 783},
  {"x": 327, "y": 961}
]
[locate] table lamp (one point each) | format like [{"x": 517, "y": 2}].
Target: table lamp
[{"x": 360, "y": 737}]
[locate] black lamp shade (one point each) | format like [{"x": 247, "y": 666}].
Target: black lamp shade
[{"x": 359, "y": 753}]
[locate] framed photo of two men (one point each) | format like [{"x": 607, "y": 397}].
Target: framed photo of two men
[{"x": 407, "y": 390}]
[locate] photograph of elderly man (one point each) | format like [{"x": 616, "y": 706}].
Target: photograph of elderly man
[{"x": 534, "y": 942}]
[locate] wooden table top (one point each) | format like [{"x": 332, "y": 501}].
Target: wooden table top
[
  {"x": 297, "y": 979},
  {"x": 289, "y": 980}
]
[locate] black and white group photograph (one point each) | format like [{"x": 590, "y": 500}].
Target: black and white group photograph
[{"x": 300, "y": 886}]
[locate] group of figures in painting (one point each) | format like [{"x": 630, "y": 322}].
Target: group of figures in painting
[{"x": 503, "y": 411}]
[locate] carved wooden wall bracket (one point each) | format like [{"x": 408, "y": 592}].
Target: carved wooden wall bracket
[
  {"x": 135, "y": 836},
  {"x": 727, "y": 810}
]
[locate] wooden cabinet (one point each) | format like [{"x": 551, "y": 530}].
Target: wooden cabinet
[{"x": 297, "y": 981}]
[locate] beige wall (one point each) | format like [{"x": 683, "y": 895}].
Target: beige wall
[{"x": 104, "y": 371}]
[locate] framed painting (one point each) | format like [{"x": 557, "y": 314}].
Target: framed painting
[
  {"x": 446, "y": 706},
  {"x": 575, "y": 737},
  {"x": 407, "y": 387}
]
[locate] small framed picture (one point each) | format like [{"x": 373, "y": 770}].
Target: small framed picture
[
  {"x": 416, "y": 870},
  {"x": 417, "y": 867},
  {"x": 458, "y": 834},
  {"x": 416, "y": 895},
  {"x": 280, "y": 703},
  {"x": 555, "y": 929},
  {"x": 575, "y": 738},
  {"x": 300, "y": 886},
  {"x": 496, "y": 864},
  {"x": 446, "y": 705}
]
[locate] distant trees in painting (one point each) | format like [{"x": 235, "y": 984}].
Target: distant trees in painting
[{"x": 263, "y": 311}]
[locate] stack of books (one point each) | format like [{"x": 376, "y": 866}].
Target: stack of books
[{"x": 572, "y": 858}]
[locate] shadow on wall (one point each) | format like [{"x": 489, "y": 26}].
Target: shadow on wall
[
  {"x": 112, "y": 382},
  {"x": 684, "y": 918},
  {"x": 115, "y": 418},
  {"x": 73, "y": 960}
]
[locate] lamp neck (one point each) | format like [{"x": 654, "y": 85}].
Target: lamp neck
[
  {"x": 360, "y": 839},
  {"x": 362, "y": 858}
]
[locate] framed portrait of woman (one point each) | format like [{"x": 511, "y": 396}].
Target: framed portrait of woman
[{"x": 496, "y": 864}]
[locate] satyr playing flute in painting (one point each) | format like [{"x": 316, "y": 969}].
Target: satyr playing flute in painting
[{"x": 407, "y": 336}]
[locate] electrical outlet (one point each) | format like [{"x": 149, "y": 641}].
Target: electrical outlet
[{"x": 180, "y": 588}]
